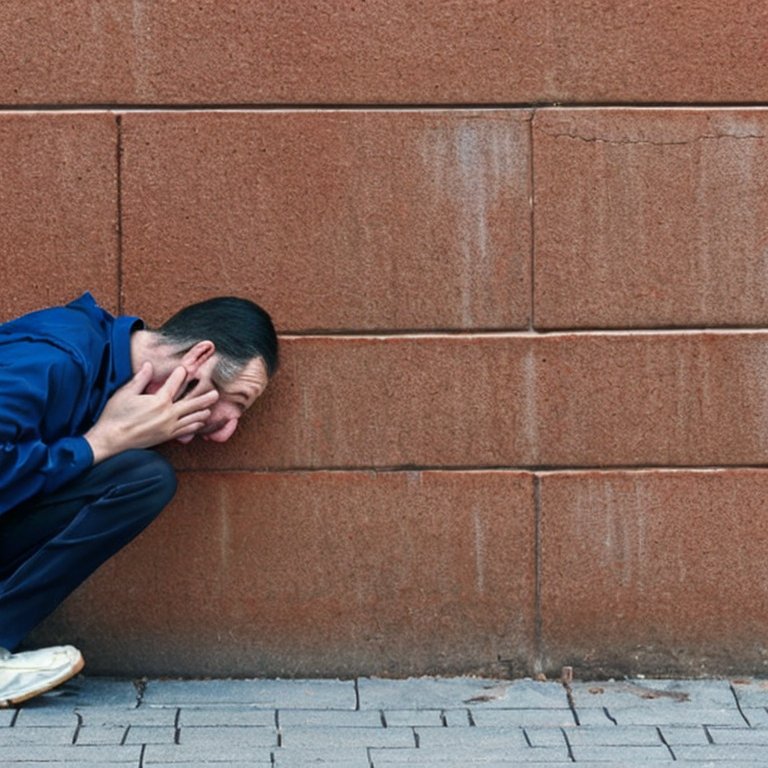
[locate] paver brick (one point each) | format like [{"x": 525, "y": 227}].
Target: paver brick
[
  {"x": 10, "y": 737},
  {"x": 7, "y": 717},
  {"x": 757, "y": 717},
  {"x": 41, "y": 717},
  {"x": 463, "y": 754},
  {"x": 288, "y": 761},
  {"x": 263, "y": 694},
  {"x": 593, "y": 716},
  {"x": 85, "y": 692},
  {"x": 228, "y": 763},
  {"x": 227, "y": 716},
  {"x": 426, "y": 717},
  {"x": 469, "y": 737},
  {"x": 344, "y": 753},
  {"x": 630, "y": 736},
  {"x": 628, "y": 755},
  {"x": 219, "y": 752},
  {"x": 478, "y": 694},
  {"x": 221, "y": 734},
  {"x": 73, "y": 763},
  {"x": 676, "y": 715},
  {"x": 92, "y": 755},
  {"x": 331, "y": 718},
  {"x": 676, "y": 735},
  {"x": 653, "y": 693},
  {"x": 114, "y": 716},
  {"x": 723, "y": 753},
  {"x": 752, "y": 693},
  {"x": 546, "y": 737},
  {"x": 152, "y": 734},
  {"x": 744, "y": 735},
  {"x": 523, "y": 717},
  {"x": 323, "y": 736},
  {"x": 95, "y": 734},
  {"x": 540, "y": 757}
]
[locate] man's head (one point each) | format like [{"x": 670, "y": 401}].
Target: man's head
[
  {"x": 228, "y": 344},
  {"x": 240, "y": 330}
]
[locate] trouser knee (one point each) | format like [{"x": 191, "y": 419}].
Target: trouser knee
[{"x": 144, "y": 477}]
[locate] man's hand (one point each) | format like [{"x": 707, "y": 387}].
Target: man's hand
[{"x": 132, "y": 419}]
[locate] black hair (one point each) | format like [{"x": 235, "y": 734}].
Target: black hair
[{"x": 240, "y": 329}]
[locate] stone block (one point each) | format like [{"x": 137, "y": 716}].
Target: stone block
[
  {"x": 650, "y": 218},
  {"x": 58, "y": 210},
  {"x": 367, "y": 53},
  {"x": 331, "y": 571},
  {"x": 560, "y": 400},
  {"x": 379, "y": 220},
  {"x": 638, "y": 575}
]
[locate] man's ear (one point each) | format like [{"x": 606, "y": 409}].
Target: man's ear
[{"x": 195, "y": 356}]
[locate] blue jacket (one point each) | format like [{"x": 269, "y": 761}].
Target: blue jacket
[{"x": 58, "y": 368}]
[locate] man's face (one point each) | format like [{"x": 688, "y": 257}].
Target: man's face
[{"x": 235, "y": 397}]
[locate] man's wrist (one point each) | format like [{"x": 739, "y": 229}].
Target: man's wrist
[{"x": 99, "y": 448}]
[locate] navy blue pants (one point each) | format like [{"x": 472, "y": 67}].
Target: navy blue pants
[{"x": 50, "y": 545}]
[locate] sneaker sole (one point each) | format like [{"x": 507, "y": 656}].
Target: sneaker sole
[{"x": 55, "y": 683}]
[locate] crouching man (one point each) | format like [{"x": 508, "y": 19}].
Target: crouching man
[{"x": 83, "y": 395}]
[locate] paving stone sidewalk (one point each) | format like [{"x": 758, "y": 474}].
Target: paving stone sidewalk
[{"x": 373, "y": 723}]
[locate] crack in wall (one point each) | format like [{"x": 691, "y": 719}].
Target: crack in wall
[{"x": 602, "y": 140}]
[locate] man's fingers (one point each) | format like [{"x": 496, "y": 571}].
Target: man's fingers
[
  {"x": 188, "y": 405},
  {"x": 198, "y": 417},
  {"x": 142, "y": 378},
  {"x": 173, "y": 384}
]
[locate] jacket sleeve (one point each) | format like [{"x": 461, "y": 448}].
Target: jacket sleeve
[{"x": 40, "y": 389}]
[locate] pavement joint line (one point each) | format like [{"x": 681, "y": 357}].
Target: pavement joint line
[
  {"x": 568, "y": 746},
  {"x": 738, "y": 705},
  {"x": 665, "y": 742},
  {"x": 527, "y": 737},
  {"x": 79, "y": 725}
]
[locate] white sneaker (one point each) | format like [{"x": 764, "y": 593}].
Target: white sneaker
[{"x": 30, "y": 673}]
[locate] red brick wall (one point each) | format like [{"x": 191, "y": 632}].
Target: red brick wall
[{"x": 517, "y": 253}]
